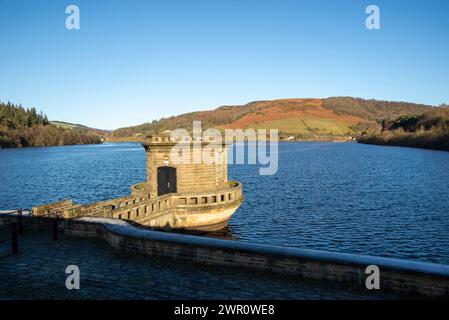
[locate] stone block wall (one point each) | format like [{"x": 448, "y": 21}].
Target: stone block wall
[
  {"x": 408, "y": 277},
  {"x": 56, "y": 208},
  {"x": 191, "y": 177}
]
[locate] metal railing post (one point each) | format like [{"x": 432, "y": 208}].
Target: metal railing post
[
  {"x": 20, "y": 221},
  {"x": 55, "y": 228},
  {"x": 14, "y": 240}
]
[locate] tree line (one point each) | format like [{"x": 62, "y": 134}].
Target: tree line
[
  {"x": 16, "y": 117},
  {"x": 427, "y": 130},
  {"x": 26, "y": 127}
]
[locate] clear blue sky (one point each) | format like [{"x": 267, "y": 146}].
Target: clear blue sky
[{"x": 135, "y": 61}]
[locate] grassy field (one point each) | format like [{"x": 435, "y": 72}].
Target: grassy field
[{"x": 305, "y": 126}]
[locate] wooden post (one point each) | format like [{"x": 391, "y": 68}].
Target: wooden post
[
  {"x": 55, "y": 228},
  {"x": 20, "y": 221},
  {"x": 14, "y": 242}
]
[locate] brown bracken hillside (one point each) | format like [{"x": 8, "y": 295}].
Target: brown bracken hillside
[{"x": 310, "y": 119}]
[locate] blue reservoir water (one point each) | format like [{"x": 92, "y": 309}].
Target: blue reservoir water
[{"x": 345, "y": 197}]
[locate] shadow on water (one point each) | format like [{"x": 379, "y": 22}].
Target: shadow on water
[{"x": 225, "y": 233}]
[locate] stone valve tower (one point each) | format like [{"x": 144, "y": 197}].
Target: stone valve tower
[{"x": 187, "y": 188}]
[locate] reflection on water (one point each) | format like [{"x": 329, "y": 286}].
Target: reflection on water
[{"x": 225, "y": 233}]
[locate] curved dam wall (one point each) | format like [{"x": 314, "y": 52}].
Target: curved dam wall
[{"x": 409, "y": 277}]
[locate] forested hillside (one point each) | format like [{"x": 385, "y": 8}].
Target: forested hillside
[
  {"x": 427, "y": 130},
  {"x": 20, "y": 127}
]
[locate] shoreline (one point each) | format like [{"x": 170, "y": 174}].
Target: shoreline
[
  {"x": 336, "y": 139},
  {"x": 59, "y": 145},
  {"x": 375, "y": 142}
]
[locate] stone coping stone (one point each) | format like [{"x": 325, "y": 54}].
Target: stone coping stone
[
  {"x": 124, "y": 228},
  {"x": 14, "y": 213}
]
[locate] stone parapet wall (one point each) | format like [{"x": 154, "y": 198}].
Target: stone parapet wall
[
  {"x": 140, "y": 189},
  {"x": 68, "y": 209},
  {"x": 158, "y": 212},
  {"x": 408, "y": 277},
  {"x": 162, "y": 211},
  {"x": 56, "y": 208}
]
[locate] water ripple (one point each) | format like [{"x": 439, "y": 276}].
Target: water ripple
[{"x": 344, "y": 197}]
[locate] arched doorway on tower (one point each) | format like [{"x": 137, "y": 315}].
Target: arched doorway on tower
[{"x": 166, "y": 180}]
